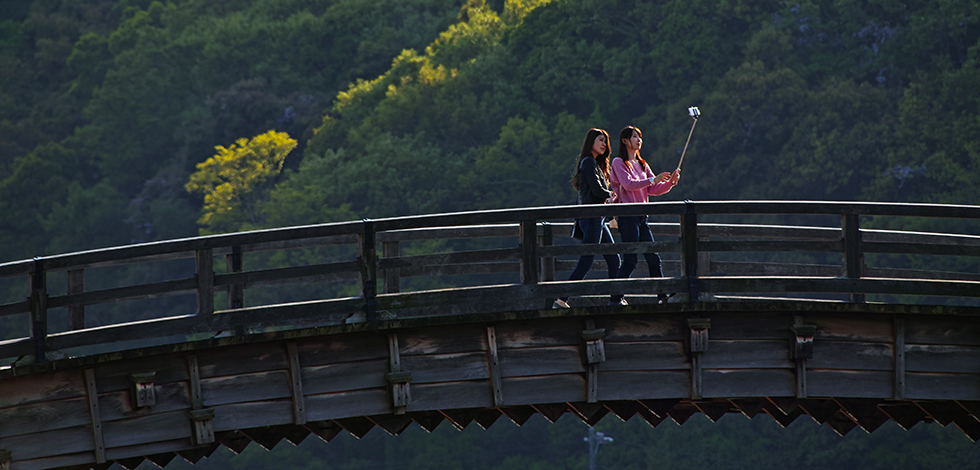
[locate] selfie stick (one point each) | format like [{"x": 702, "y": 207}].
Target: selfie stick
[{"x": 694, "y": 112}]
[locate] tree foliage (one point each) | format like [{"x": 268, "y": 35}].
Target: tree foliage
[{"x": 232, "y": 180}]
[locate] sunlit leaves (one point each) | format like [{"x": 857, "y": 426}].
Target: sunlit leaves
[{"x": 231, "y": 178}]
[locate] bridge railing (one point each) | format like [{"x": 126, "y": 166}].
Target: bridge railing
[{"x": 542, "y": 248}]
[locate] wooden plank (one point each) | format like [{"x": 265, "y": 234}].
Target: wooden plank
[
  {"x": 638, "y": 356},
  {"x": 327, "y": 272},
  {"x": 493, "y": 363},
  {"x": 540, "y": 361},
  {"x": 548, "y": 389},
  {"x": 599, "y": 249},
  {"x": 518, "y": 335},
  {"x": 368, "y": 402},
  {"x": 759, "y": 326},
  {"x": 462, "y": 269},
  {"x": 341, "y": 377},
  {"x": 942, "y": 358},
  {"x": 152, "y": 328},
  {"x": 42, "y": 417},
  {"x": 296, "y": 384},
  {"x": 864, "y": 328},
  {"x": 253, "y": 414},
  {"x": 205, "y": 282},
  {"x": 93, "y": 407},
  {"x": 447, "y": 367},
  {"x": 114, "y": 376},
  {"x": 337, "y": 349},
  {"x": 194, "y": 378},
  {"x": 453, "y": 257},
  {"x": 804, "y": 246},
  {"x": 450, "y": 395},
  {"x": 391, "y": 277},
  {"x": 740, "y": 268},
  {"x": 245, "y": 359},
  {"x": 149, "y": 428},
  {"x": 900, "y": 353},
  {"x": 921, "y": 249},
  {"x": 150, "y": 450},
  {"x": 921, "y": 238},
  {"x": 76, "y": 313},
  {"x": 15, "y": 308},
  {"x": 455, "y": 232},
  {"x": 40, "y": 388},
  {"x": 642, "y": 329},
  {"x": 745, "y": 354},
  {"x": 444, "y": 340},
  {"x": 729, "y": 383},
  {"x": 170, "y": 397},
  {"x": 942, "y": 331},
  {"x": 246, "y": 387},
  {"x": 925, "y": 386},
  {"x": 39, "y": 445},
  {"x": 854, "y": 384},
  {"x": 636, "y": 385},
  {"x": 77, "y": 459},
  {"x": 852, "y": 356}
]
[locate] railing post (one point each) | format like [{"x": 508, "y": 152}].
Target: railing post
[
  {"x": 39, "y": 310},
  {"x": 392, "y": 276},
  {"x": 369, "y": 269},
  {"x": 689, "y": 240},
  {"x": 205, "y": 282},
  {"x": 236, "y": 292},
  {"x": 548, "y": 262},
  {"x": 853, "y": 257},
  {"x": 76, "y": 313},
  {"x": 529, "y": 252}
]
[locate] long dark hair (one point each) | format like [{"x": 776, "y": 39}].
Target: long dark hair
[
  {"x": 602, "y": 159},
  {"x": 627, "y": 133}
]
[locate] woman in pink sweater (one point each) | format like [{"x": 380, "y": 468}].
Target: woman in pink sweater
[{"x": 632, "y": 180}]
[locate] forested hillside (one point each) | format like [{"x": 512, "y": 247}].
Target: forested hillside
[{"x": 403, "y": 107}]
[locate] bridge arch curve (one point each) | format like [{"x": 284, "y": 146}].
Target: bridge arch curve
[{"x": 488, "y": 352}]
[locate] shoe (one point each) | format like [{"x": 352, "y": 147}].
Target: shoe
[
  {"x": 662, "y": 298},
  {"x": 622, "y": 302},
  {"x": 560, "y": 304}
]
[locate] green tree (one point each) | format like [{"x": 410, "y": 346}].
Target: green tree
[{"x": 232, "y": 180}]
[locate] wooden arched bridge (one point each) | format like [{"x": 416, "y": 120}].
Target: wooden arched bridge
[{"x": 824, "y": 318}]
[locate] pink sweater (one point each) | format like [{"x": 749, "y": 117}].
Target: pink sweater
[{"x": 632, "y": 183}]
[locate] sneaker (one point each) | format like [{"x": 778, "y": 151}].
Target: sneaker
[
  {"x": 560, "y": 304},
  {"x": 622, "y": 302}
]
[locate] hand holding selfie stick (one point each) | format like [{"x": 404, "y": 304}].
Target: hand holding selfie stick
[{"x": 694, "y": 112}]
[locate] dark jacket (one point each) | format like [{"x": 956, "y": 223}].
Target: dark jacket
[{"x": 593, "y": 188}]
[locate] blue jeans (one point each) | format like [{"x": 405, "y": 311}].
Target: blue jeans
[
  {"x": 635, "y": 229},
  {"x": 595, "y": 231}
]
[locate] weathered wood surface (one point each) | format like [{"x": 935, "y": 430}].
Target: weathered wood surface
[
  {"x": 747, "y": 366},
  {"x": 269, "y": 372}
]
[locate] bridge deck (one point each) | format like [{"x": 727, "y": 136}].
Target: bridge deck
[{"x": 183, "y": 385}]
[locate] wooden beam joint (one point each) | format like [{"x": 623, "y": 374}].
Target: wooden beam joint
[
  {"x": 6, "y": 458},
  {"x": 203, "y": 420},
  {"x": 142, "y": 392}
]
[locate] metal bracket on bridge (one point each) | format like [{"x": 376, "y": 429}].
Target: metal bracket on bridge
[
  {"x": 142, "y": 393},
  {"x": 203, "y": 425}
]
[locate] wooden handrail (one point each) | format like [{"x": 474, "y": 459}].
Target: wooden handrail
[{"x": 532, "y": 257}]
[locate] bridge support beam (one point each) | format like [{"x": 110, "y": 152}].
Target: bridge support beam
[
  {"x": 697, "y": 345},
  {"x": 689, "y": 253}
]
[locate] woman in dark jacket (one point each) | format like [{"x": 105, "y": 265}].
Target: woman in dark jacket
[{"x": 591, "y": 180}]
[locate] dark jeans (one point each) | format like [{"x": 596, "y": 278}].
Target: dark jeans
[
  {"x": 635, "y": 229},
  {"x": 595, "y": 231}
]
